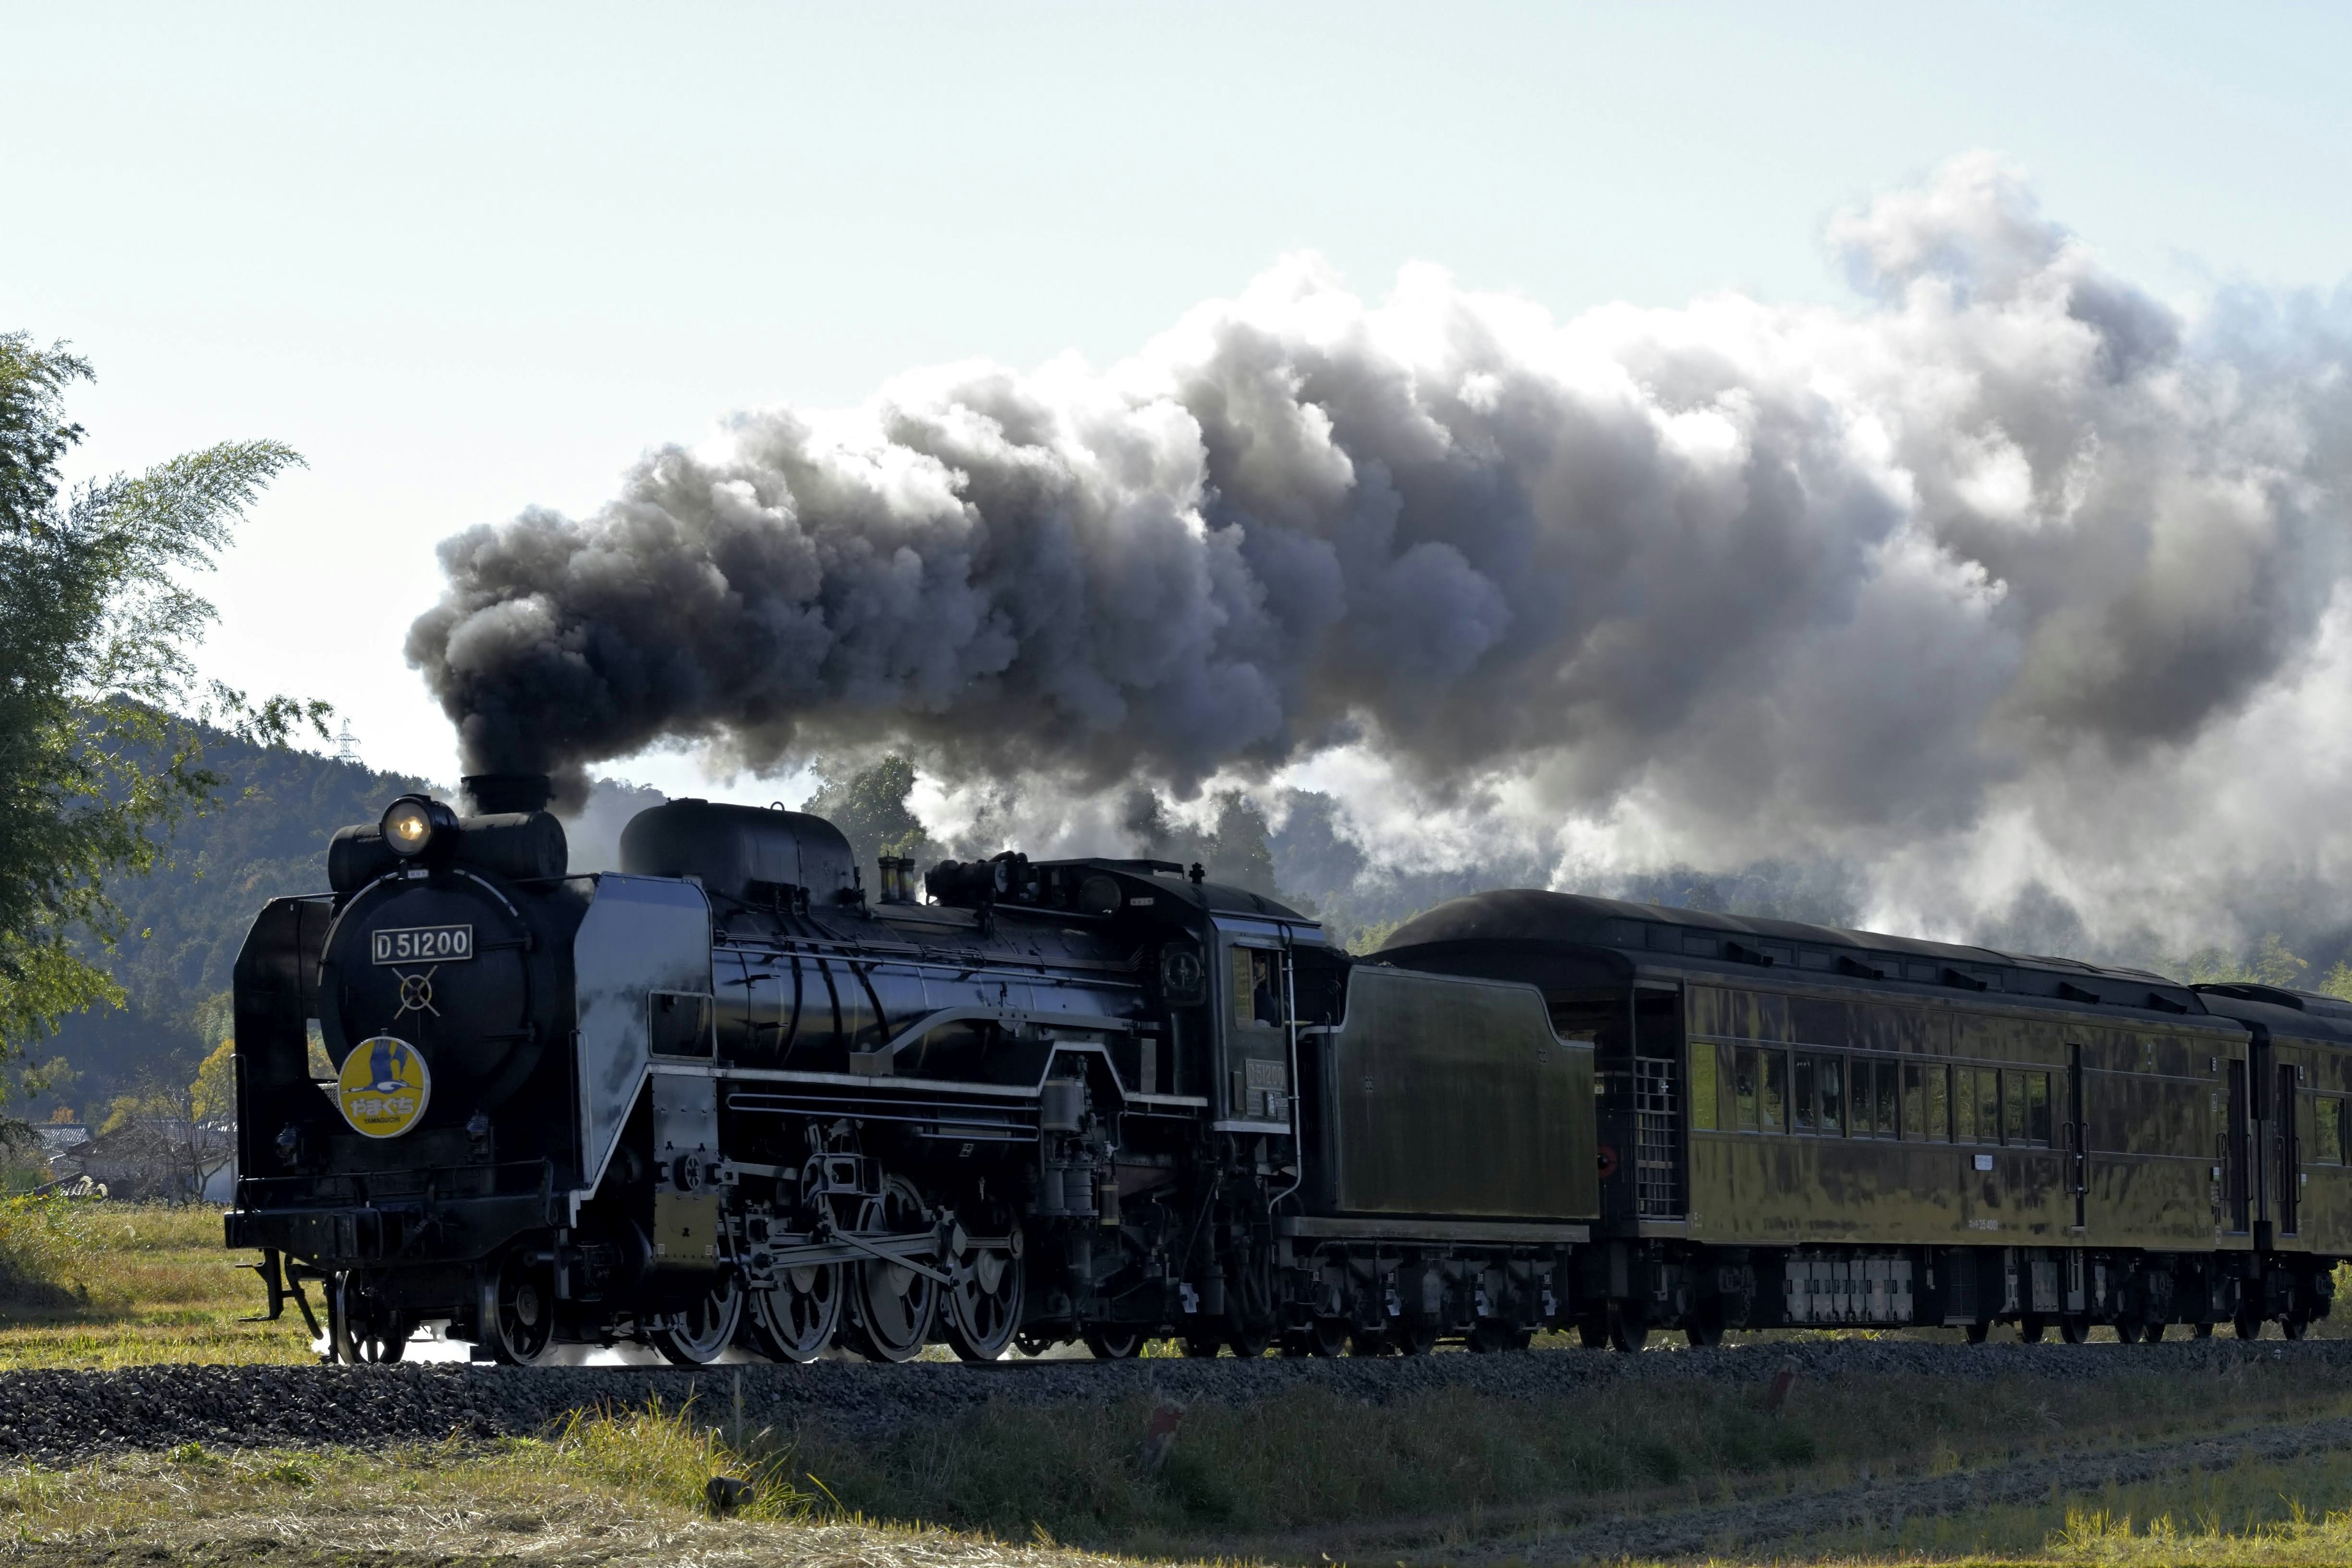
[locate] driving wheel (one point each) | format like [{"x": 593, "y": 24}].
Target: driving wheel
[
  {"x": 983, "y": 1306},
  {"x": 797, "y": 1317},
  {"x": 695, "y": 1336},
  {"x": 892, "y": 1305}
]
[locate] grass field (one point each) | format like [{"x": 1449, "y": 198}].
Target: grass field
[{"x": 103, "y": 1285}]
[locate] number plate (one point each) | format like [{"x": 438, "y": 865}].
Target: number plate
[{"x": 423, "y": 944}]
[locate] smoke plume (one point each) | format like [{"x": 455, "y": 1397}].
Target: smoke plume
[{"x": 2010, "y": 583}]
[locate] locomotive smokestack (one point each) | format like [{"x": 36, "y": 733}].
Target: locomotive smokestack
[{"x": 493, "y": 795}]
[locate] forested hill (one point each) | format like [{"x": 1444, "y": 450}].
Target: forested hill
[{"x": 266, "y": 833}]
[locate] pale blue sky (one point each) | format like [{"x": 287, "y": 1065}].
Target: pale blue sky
[{"x": 469, "y": 259}]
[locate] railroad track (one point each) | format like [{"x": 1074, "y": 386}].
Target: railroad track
[{"x": 58, "y": 1416}]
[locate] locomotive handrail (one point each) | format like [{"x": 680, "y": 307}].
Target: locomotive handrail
[{"x": 871, "y": 1063}]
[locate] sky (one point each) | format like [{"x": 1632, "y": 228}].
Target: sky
[{"x": 471, "y": 259}]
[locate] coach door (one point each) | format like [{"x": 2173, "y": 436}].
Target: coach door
[
  {"x": 2259, "y": 1132},
  {"x": 2287, "y": 1149},
  {"x": 2236, "y": 1196},
  {"x": 2078, "y": 1135}
]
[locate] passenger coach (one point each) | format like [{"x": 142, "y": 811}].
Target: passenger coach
[{"x": 1804, "y": 1126}]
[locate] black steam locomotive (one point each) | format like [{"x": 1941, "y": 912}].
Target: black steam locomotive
[{"x": 730, "y": 1097}]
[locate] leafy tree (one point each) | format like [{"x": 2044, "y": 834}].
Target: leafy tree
[
  {"x": 869, "y": 805},
  {"x": 96, "y": 638},
  {"x": 213, "y": 1097}
]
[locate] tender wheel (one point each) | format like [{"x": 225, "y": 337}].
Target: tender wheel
[
  {"x": 1592, "y": 1333},
  {"x": 1976, "y": 1333},
  {"x": 2031, "y": 1329},
  {"x": 983, "y": 1307},
  {"x": 892, "y": 1307},
  {"x": 2248, "y": 1323},
  {"x": 519, "y": 1311},
  {"x": 2200, "y": 1331},
  {"x": 696, "y": 1335},
  {"x": 796, "y": 1318},
  {"x": 2127, "y": 1331},
  {"x": 1249, "y": 1342},
  {"x": 2073, "y": 1329},
  {"x": 2295, "y": 1326},
  {"x": 1491, "y": 1336},
  {"x": 1625, "y": 1335},
  {"x": 1704, "y": 1331},
  {"x": 2152, "y": 1333},
  {"x": 1114, "y": 1343},
  {"x": 1327, "y": 1337},
  {"x": 1417, "y": 1336}
]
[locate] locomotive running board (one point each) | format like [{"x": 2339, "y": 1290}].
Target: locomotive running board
[{"x": 1316, "y": 1228}]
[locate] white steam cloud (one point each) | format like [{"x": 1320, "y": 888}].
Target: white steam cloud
[{"x": 2012, "y": 582}]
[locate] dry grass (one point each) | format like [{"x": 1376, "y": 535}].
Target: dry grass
[
  {"x": 86, "y": 1284},
  {"x": 611, "y": 1488}
]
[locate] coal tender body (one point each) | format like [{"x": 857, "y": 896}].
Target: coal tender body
[{"x": 731, "y": 1096}]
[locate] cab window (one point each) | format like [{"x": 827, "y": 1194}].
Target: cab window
[{"x": 1257, "y": 986}]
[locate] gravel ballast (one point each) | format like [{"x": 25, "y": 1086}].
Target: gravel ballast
[{"x": 54, "y": 1415}]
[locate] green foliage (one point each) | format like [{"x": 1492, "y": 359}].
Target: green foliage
[
  {"x": 96, "y": 638},
  {"x": 2269, "y": 962},
  {"x": 187, "y": 916},
  {"x": 213, "y": 1097},
  {"x": 869, "y": 805}
]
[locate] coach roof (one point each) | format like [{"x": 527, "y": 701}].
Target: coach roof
[{"x": 1534, "y": 917}]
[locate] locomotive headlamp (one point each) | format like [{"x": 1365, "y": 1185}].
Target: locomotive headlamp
[{"x": 413, "y": 822}]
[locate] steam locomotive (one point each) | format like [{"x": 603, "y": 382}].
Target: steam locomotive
[{"x": 730, "y": 1097}]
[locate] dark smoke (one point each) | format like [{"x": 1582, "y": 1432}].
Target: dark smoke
[{"x": 1986, "y": 585}]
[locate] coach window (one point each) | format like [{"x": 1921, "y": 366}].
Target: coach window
[
  {"x": 1705, "y": 1109},
  {"x": 1861, "y": 1101},
  {"x": 1775, "y": 1087},
  {"x": 1940, "y": 1101},
  {"x": 1987, "y": 1098},
  {"x": 2037, "y": 1108},
  {"x": 1803, "y": 1116},
  {"x": 1832, "y": 1070},
  {"x": 2327, "y": 1130},
  {"x": 1743, "y": 1086},
  {"x": 1888, "y": 1095}
]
